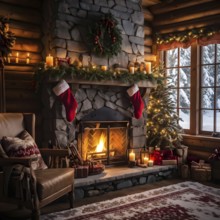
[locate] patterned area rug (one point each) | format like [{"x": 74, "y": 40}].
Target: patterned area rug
[{"x": 187, "y": 200}]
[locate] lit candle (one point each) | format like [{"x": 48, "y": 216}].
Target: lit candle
[
  {"x": 9, "y": 58},
  {"x": 148, "y": 67},
  {"x": 146, "y": 160},
  {"x": 104, "y": 68},
  {"x": 28, "y": 58},
  {"x": 131, "y": 69},
  {"x": 17, "y": 59},
  {"x": 150, "y": 163},
  {"x": 49, "y": 60},
  {"x": 132, "y": 156}
]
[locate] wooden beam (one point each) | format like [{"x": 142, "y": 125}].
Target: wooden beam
[
  {"x": 148, "y": 16},
  {"x": 31, "y": 4},
  {"x": 147, "y": 3},
  {"x": 172, "y": 6},
  {"x": 20, "y": 13},
  {"x": 191, "y": 13},
  {"x": 188, "y": 25}
]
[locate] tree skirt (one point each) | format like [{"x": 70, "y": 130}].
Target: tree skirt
[{"x": 187, "y": 200}]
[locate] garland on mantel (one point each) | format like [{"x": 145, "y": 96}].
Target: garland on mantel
[
  {"x": 44, "y": 74},
  {"x": 186, "y": 36}
]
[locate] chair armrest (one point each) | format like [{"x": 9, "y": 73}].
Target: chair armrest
[
  {"x": 16, "y": 160},
  {"x": 54, "y": 152},
  {"x": 55, "y": 158}
]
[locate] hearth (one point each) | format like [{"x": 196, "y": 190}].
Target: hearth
[{"x": 104, "y": 135}]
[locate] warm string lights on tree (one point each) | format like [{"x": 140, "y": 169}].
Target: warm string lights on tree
[
  {"x": 105, "y": 37},
  {"x": 163, "y": 128},
  {"x": 186, "y": 36}
]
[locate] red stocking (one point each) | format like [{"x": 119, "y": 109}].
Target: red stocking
[
  {"x": 63, "y": 90},
  {"x": 136, "y": 100}
]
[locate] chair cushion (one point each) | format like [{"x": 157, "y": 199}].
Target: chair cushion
[
  {"x": 52, "y": 180},
  {"x": 11, "y": 124},
  {"x": 23, "y": 146}
]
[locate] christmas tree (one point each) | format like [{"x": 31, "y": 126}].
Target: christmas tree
[{"x": 163, "y": 129}]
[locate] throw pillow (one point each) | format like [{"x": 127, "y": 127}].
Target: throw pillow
[{"x": 23, "y": 146}]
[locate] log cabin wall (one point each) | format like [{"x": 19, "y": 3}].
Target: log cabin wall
[
  {"x": 25, "y": 22},
  {"x": 174, "y": 16}
]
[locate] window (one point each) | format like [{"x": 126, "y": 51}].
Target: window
[
  {"x": 210, "y": 88},
  {"x": 178, "y": 69}
]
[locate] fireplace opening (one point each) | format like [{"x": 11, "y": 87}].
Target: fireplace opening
[{"x": 104, "y": 140}]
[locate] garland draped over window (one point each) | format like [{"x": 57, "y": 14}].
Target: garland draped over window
[{"x": 202, "y": 37}]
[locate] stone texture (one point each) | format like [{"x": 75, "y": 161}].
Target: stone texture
[
  {"x": 73, "y": 11},
  {"x": 94, "y": 192},
  {"x": 139, "y": 141},
  {"x": 63, "y": 7},
  {"x": 120, "y": 8},
  {"x": 80, "y": 95},
  {"x": 140, "y": 32},
  {"x": 151, "y": 179},
  {"x": 76, "y": 46},
  {"x": 110, "y": 105},
  {"x": 98, "y": 102},
  {"x": 89, "y": 7},
  {"x": 126, "y": 46},
  {"x": 138, "y": 17},
  {"x": 124, "y": 184},
  {"x": 72, "y": 3},
  {"x": 58, "y": 43},
  {"x": 75, "y": 34},
  {"x": 91, "y": 94},
  {"x": 134, "y": 48},
  {"x": 60, "y": 125},
  {"x": 86, "y": 105},
  {"x": 79, "y": 194},
  {"x": 134, "y": 5},
  {"x": 101, "y": 2},
  {"x": 142, "y": 180},
  {"x": 137, "y": 40},
  {"x": 128, "y": 27},
  {"x": 82, "y": 13},
  {"x": 60, "y": 52},
  {"x": 141, "y": 49},
  {"x": 62, "y": 33}
]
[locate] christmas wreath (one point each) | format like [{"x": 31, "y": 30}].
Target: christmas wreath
[
  {"x": 7, "y": 38},
  {"x": 105, "y": 37}
]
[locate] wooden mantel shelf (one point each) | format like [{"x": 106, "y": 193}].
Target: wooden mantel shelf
[{"x": 141, "y": 84}]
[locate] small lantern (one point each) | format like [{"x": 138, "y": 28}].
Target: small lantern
[{"x": 144, "y": 155}]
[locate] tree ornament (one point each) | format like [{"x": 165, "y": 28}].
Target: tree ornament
[{"x": 105, "y": 37}]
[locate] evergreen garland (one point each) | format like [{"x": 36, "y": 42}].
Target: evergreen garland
[
  {"x": 7, "y": 38},
  {"x": 43, "y": 74},
  {"x": 104, "y": 37},
  {"x": 186, "y": 36}
]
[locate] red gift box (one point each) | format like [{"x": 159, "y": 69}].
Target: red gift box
[
  {"x": 156, "y": 156},
  {"x": 81, "y": 171}
]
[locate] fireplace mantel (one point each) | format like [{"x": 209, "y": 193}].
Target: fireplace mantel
[{"x": 141, "y": 84}]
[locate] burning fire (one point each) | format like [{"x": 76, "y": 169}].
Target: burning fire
[{"x": 101, "y": 145}]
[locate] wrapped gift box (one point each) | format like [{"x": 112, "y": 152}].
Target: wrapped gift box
[
  {"x": 169, "y": 162},
  {"x": 81, "y": 171},
  {"x": 201, "y": 171}
]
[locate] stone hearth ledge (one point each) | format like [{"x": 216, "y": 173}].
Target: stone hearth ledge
[{"x": 111, "y": 174}]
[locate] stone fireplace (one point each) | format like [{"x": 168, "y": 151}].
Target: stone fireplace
[
  {"x": 104, "y": 114},
  {"x": 66, "y": 28}
]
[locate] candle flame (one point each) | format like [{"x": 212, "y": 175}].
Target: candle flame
[{"x": 101, "y": 144}]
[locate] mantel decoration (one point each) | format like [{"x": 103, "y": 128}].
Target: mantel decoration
[
  {"x": 7, "y": 39},
  {"x": 105, "y": 37},
  {"x": 186, "y": 36},
  {"x": 73, "y": 71}
]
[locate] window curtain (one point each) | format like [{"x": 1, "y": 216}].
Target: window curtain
[{"x": 215, "y": 39}]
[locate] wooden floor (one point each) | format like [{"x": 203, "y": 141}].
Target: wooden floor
[{"x": 11, "y": 213}]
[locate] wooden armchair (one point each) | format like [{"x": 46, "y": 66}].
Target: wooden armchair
[{"x": 31, "y": 188}]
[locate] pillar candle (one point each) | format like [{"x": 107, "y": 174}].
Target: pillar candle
[
  {"x": 104, "y": 68},
  {"x": 131, "y": 156},
  {"x": 150, "y": 163},
  {"x": 146, "y": 160},
  {"x": 17, "y": 58},
  {"x": 49, "y": 60},
  {"x": 28, "y": 58},
  {"x": 131, "y": 69},
  {"x": 148, "y": 67}
]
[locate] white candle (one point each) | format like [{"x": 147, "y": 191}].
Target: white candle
[
  {"x": 131, "y": 69},
  {"x": 131, "y": 156},
  {"x": 104, "y": 68},
  {"x": 28, "y": 58},
  {"x": 150, "y": 163},
  {"x": 148, "y": 67},
  {"x": 146, "y": 160},
  {"x": 17, "y": 59},
  {"x": 49, "y": 60}
]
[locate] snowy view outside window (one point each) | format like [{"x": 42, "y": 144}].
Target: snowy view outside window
[
  {"x": 210, "y": 88},
  {"x": 178, "y": 68}
]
